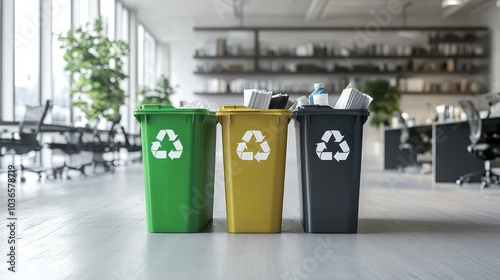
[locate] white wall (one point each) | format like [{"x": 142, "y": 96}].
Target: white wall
[{"x": 491, "y": 17}]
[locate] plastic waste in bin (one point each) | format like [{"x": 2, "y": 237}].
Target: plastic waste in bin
[
  {"x": 178, "y": 148},
  {"x": 254, "y": 147},
  {"x": 329, "y": 144}
]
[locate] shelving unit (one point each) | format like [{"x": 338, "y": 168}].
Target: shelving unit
[
  {"x": 225, "y": 57},
  {"x": 306, "y": 93},
  {"x": 346, "y": 57},
  {"x": 345, "y": 28},
  {"x": 259, "y": 58},
  {"x": 353, "y": 73}
]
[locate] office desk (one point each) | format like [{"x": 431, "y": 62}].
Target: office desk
[
  {"x": 56, "y": 128},
  {"x": 8, "y": 127},
  {"x": 47, "y": 128},
  {"x": 393, "y": 156},
  {"x": 450, "y": 157},
  {"x": 9, "y": 123}
]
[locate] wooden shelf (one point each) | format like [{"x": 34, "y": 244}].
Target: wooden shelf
[
  {"x": 382, "y": 57},
  {"x": 219, "y": 93},
  {"x": 374, "y": 57},
  {"x": 437, "y": 93},
  {"x": 453, "y": 40},
  {"x": 225, "y": 57},
  {"x": 291, "y": 73},
  {"x": 336, "y": 73},
  {"x": 345, "y": 28}
]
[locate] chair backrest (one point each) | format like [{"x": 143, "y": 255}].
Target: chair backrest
[
  {"x": 107, "y": 136},
  {"x": 475, "y": 126},
  {"x": 405, "y": 131},
  {"x": 33, "y": 119},
  {"x": 127, "y": 141}
]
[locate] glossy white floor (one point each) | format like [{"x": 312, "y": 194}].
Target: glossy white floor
[{"x": 95, "y": 228}]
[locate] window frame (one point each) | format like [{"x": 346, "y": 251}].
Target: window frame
[
  {"x": 156, "y": 43},
  {"x": 40, "y": 33},
  {"x": 51, "y": 51},
  {"x": 122, "y": 27},
  {"x": 2, "y": 40},
  {"x": 7, "y": 53}
]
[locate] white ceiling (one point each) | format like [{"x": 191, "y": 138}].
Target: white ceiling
[
  {"x": 416, "y": 8},
  {"x": 364, "y": 7},
  {"x": 207, "y": 8},
  {"x": 157, "y": 13}
]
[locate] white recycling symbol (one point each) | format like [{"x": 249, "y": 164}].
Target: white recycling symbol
[
  {"x": 339, "y": 155},
  {"x": 162, "y": 154},
  {"x": 240, "y": 150}
]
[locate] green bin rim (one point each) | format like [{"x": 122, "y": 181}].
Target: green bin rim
[
  {"x": 238, "y": 109},
  {"x": 161, "y": 109}
]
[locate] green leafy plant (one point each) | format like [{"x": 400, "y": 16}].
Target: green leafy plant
[
  {"x": 96, "y": 67},
  {"x": 159, "y": 95},
  {"x": 385, "y": 102}
]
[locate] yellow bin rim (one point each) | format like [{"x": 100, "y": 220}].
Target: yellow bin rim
[{"x": 239, "y": 109}]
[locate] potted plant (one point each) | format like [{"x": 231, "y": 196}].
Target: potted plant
[
  {"x": 96, "y": 67},
  {"x": 159, "y": 95},
  {"x": 385, "y": 102}
]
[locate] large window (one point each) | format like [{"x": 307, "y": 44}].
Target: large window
[
  {"x": 26, "y": 55},
  {"x": 140, "y": 55},
  {"x": 83, "y": 12},
  {"x": 146, "y": 58},
  {"x": 108, "y": 17},
  {"x": 122, "y": 33},
  {"x": 22, "y": 49},
  {"x": 122, "y": 23},
  {"x": 149, "y": 60},
  {"x": 61, "y": 23}
]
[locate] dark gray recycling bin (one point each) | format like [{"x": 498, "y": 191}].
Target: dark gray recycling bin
[{"x": 329, "y": 144}]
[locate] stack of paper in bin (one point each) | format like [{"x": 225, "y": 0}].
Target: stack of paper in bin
[
  {"x": 352, "y": 98},
  {"x": 257, "y": 98}
]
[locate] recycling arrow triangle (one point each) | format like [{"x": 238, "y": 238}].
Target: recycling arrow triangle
[
  {"x": 241, "y": 149},
  {"x": 171, "y": 137},
  {"x": 321, "y": 147}
]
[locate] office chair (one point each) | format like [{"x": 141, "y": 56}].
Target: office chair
[
  {"x": 104, "y": 143},
  {"x": 132, "y": 146},
  {"x": 484, "y": 145},
  {"x": 26, "y": 139},
  {"x": 74, "y": 145},
  {"x": 415, "y": 144}
]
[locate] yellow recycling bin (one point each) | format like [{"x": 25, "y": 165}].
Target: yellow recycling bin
[{"x": 254, "y": 147}]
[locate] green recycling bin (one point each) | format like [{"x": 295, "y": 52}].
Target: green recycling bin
[{"x": 178, "y": 147}]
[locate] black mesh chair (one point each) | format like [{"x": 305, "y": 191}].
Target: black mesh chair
[
  {"x": 484, "y": 145},
  {"x": 104, "y": 143},
  {"x": 132, "y": 145},
  {"x": 74, "y": 145},
  {"x": 415, "y": 143},
  {"x": 26, "y": 139}
]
